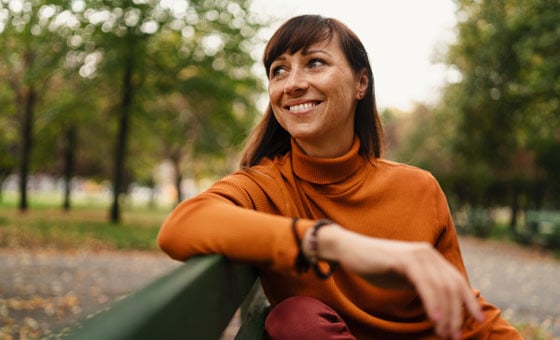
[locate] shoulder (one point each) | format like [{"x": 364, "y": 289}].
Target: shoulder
[
  {"x": 413, "y": 183},
  {"x": 268, "y": 169},
  {"x": 259, "y": 178},
  {"x": 403, "y": 170},
  {"x": 409, "y": 179},
  {"x": 258, "y": 187}
]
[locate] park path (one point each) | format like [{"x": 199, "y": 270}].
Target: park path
[
  {"x": 44, "y": 290},
  {"x": 523, "y": 283}
]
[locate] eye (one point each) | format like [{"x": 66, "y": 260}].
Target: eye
[
  {"x": 277, "y": 71},
  {"x": 316, "y": 63}
]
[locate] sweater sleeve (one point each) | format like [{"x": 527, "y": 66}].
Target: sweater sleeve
[
  {"x": 494, "y": 326},
  {"x": 234, "y": 218}
]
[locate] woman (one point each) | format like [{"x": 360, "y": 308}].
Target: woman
[{"x": 348, "y": 245}]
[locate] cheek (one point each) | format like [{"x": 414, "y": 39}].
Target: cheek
[
  {"x": 279, "y": 118},
  {"x": 274, "y": 93}
]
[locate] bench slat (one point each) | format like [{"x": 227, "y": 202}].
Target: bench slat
[
  {"x": 254, "y": 311},
  {"x": 195, "y": 301}
]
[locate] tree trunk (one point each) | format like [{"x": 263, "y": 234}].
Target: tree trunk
[
  {"x": 178, "y": 180},
  {"x": 2, "y": 179},
  {"x": 69, "y": 156},
  {"x": 176, "y": 160},
  {"x": 514, "y": 209},
  {"x": 539, "y": 191},
  {"x": 121, "y": 145},
  {"x": 28, "y": 101}
]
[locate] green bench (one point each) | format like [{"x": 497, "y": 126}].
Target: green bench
[
  {"x": 197, "y": 300},
  {"x": 543, "y": 226}
]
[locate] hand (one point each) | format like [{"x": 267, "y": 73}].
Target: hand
[{"x": 397, "y": 264}]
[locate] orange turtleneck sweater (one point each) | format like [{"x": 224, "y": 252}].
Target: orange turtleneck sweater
[{"x": 247, "y": 217}]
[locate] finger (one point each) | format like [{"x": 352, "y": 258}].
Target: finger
[
  {"x": 452, "y": 292},
  {"x": 456, "y": 311},
  {"x": 473, "y": 305},
  {"x": 437, "y": 312},
  {"x": 447, "y": 299},
  {"x": 434, "y": 299}
]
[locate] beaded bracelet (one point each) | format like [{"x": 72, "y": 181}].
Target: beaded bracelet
[
  {"x": 302, "y": 264},
  {"x": 314, "y": 247},
  {"x": 313, "y": 243}
]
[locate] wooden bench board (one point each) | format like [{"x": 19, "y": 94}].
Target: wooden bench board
[{"x": 195, "y": 301}]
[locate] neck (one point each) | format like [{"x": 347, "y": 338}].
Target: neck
[
  {"x": 320, "y": 170},
  {"x": 327, "y": 148}
]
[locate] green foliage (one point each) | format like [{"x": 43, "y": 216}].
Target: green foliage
[
  {"x": 7, "y": 147},
  {"x": 48, "y": 227},
  {"x": 206, "y": 101},
  {"x": 506, "y": 103},
  {"x": 493, "y": 139},
  {"x": 181, "y": 72}
]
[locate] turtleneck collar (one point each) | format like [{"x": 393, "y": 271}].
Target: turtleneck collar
[{"x": 326, "y": 170}]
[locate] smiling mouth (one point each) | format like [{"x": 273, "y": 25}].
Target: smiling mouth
[{"x": 302, "y": 107}]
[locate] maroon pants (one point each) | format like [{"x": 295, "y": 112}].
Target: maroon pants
[{"x": 302, "y": 317}]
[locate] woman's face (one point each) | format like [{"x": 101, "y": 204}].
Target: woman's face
[{"x": 313, "y": 94}]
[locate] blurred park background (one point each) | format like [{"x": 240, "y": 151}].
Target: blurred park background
[{"x": 112, "y": 112}]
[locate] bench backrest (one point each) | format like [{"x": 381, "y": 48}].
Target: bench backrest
[{"x": 195, "y": 301}]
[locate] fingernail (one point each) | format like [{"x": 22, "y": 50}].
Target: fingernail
[
  {"x": 481, "y": 317},
  {"x": 437, "y": 315},
  {"x": 457, "y": 335}
]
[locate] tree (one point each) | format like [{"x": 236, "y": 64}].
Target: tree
[
  {"x": 69, "y": 129},
  {"x": 175, "y": 78},
  {"x": 505, "y": 55},
  {"x": 32, "y": 48},
  {"x": 8, "y": 136},
  {"x": 153, "y": 50},
  {"x": 8, "y": 141},
  {"x": 122, "y": 29},
  {"x": 207, "y": 98}
]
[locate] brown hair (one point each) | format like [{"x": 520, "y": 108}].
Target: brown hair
[{"x": 269, "y": 139}]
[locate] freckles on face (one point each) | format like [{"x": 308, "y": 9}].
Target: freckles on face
[{"x": 313, "y": 94}]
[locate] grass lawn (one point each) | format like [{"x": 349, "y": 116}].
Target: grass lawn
[{"x": 86, "y": 225}]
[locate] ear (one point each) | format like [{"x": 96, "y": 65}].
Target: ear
[{"x": 362, "y": 84}]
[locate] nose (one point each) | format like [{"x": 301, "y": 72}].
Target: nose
[{"x": 296, "y": 82}]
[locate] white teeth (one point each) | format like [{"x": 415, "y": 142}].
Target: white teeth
[{"x": 302, "y": 107}]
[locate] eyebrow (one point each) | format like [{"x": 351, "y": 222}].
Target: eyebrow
[
  {"x": 311, "y": 51},
  {"x": 305, "y": 52}
]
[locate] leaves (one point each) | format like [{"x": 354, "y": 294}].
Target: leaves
[
  {"x": 180, "y": 72},
  {"x": 43, "y": 291},
  {"x": 37, "y": 310},
  {"x": 505, "y": 104}
]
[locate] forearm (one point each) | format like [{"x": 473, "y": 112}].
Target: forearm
[
  {"x": 208, "y": 226},
  {"x": 442, "y": 288},
  {"x": 375, "y": 259}
]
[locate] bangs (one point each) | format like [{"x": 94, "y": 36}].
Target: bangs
[{"x": 297, "y": 35}]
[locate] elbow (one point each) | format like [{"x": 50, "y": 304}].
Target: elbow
[{"x": 168, "y": 244}]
